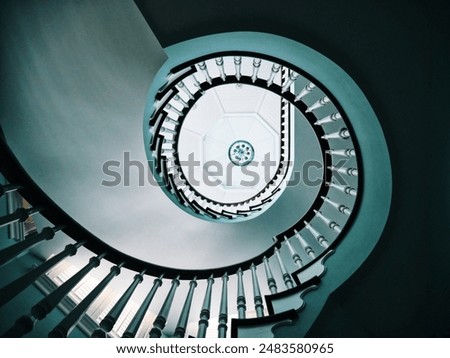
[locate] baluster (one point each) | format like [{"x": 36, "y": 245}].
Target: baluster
[
  {"x": 342, "y": 134},
  {"x": 320, "y": 103},
  {"x": 204, "y": 68},
  {"x": 191, "y": 196},
  {"x": 275, "y": 69},
  {"x": 135, "y": 323},
  {"x": 13, "y": 202},
  {"x": 259, "y": 308},
  {"x": 292, "y": 77},
  {"x": 168, "y": 152},
  {"x": 345, "y": 189},
  {"x": 294, "y": 254},
  {"x": 113, "y": 315},
  {"x": 286, "y": 277},
  {"x": 14, "y": 288},
  {"x": 197, "y": 84},
  {"x": 306, "y": 90},
  {"x": 328, "y": 119},
  {"x": 237, "y": 66},
  {"x": 160, "y": 321},
  {"x": 20, "y": 215},
  {"x": 173, "y": 121},
  {"x": 270, "y": 279},
  {"x": 68, "y": 323},
  {"x": 240, "y": 295},
  {"x": 342, "y": 152},
  {"x": 183, "y": 87},
  {"x": 205, "y": 312},
  {"x": 256, "y": 66},
  {"x": 341, "y": 208},
  {"x": 331, "y": 224},
  {"x": 181, "y": 100},
  {"x": 305, "y": 246},
  {"x": 22, "y": 326},
  {"x": 180, "y": 331},
  {"x": 223, "y": 311},
  {"x": 10, "y": 253},
  {"x": 168, "y": 130},
  {"x": 353, "y": 172},
  {"x": 178, "y": 180},
  {"x": 186, "y": 191},
  {"x": 41, "y": 309},
  {"x": 171, "y": 165},
  {"x": 317, "y": 235},
  {"x": 219, "y": 63},
  {"x": 169, "y": 107},
  {"x": 8, "y": 188}
]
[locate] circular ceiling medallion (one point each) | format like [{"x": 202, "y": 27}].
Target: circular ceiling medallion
[{"x": 241, "y": 153}]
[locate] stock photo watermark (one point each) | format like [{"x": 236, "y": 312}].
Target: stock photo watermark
[{"x": 128, "y": 172}]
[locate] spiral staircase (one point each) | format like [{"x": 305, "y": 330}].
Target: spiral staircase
[{"x": 156, "y": 300}]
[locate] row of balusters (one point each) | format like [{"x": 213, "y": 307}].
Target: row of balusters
[
  {"x": 41, "y": 309},
  {"x": 285, "y": 86},
  {"x": 275, "y": 69}
]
